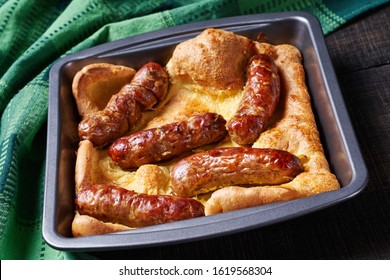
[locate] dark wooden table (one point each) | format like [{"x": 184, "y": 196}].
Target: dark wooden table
[{"x": 358, "y": 228}]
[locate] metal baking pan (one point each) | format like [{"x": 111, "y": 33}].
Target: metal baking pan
[{"x": 341, "y": 148}]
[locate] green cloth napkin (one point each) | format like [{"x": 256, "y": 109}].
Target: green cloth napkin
[{"x": 34, "y": 34}]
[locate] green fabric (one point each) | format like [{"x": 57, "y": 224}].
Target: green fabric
[{"x": 34, "y": 34}]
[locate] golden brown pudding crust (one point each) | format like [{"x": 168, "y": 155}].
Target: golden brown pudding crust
[
  {"x": 94, "y": 85},
  {"x": 207, "y": 74},
  {"x": 201, "y": 60}
]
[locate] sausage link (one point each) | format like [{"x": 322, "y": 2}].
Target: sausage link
[
  {"x": 144, "y": 97},
  {"x": 261, "y": 95},
  {"x": 220, "y": 167},
  {"x": 107, "y": 125},
  {"x": 118, "y": 205},
  {"x": 168, "y": 141},
  {"x": 153, "y": 78},
  {"x": 124, "y": 109}
]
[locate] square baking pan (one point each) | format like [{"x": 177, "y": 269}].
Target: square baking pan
[{"x": 296, "y": 28}]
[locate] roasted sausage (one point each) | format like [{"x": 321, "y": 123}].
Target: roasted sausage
[
  {"x": 216, "y": 168},
  {"x": 261, "y": 95},
  {"x": 118, "y": 205},
  {"x": 152, "y": 77},
  {"x": 168, "y": 141},
  {"x": 105, "y": 126},
  {"x": 148, "y": 87}
]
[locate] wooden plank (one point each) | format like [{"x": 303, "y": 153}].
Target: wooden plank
[
  {"x": 363, "y": 43},
  {"x": 367, "y": 97},
  {"x": 361, "y": 57}
]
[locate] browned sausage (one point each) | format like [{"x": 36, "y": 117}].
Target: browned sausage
[
  {"x": 168, "y": 141},
  {"x": 216, "y": 168},
  {"x": 118, "y": 205},
  {"x": 152, "y": 77},
  {"x": 261, "y": 95},
  {"x": 105, "y": 126},
  {"x": 124, "y": 110}
]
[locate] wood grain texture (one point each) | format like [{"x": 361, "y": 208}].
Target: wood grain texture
[
  {"x": 363, "y": 43},
  {"x": 361, "y": 56}
]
